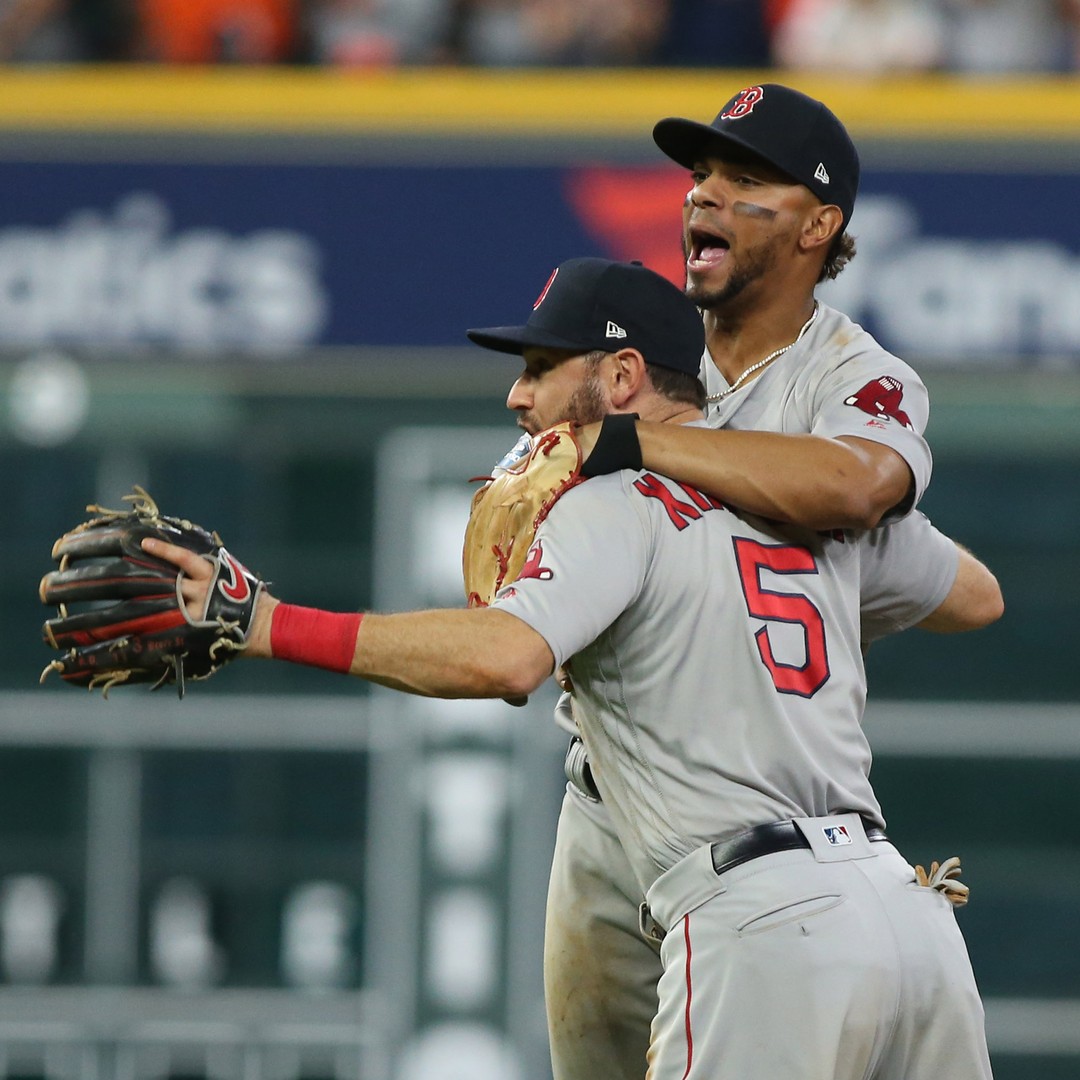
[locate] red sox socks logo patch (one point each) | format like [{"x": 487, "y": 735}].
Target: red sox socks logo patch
[
  {"x": 532, "y": 567},
  {"x": 881, "y": 398}
]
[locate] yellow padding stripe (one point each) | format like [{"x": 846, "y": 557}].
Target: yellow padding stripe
[{"x": 458, "y": 102}]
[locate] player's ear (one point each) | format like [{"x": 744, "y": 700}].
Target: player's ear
[
  {"x": 626, "y": 375},
  {"x": 821, "y": 225}
]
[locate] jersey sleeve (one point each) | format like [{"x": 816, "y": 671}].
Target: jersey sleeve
[
  {"x": 585, "y": 567},
  {"x": 874, "y": 395},
  {"x": 906, "y": 571}
]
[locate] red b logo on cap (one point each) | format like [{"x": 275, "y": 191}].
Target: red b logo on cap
[
  {"x": 544, "y": 290},
  {"x": 743, "y": 103}
]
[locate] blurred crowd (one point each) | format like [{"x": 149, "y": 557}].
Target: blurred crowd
[{"x": 863, "y": 36}]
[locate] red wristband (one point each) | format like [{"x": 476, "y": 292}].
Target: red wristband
[{"x": 323, "y": 639}]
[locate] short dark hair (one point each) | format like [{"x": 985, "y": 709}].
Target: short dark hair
[
  {"x": 841, "y": 252},
  {"x": 677, "y": 385}
]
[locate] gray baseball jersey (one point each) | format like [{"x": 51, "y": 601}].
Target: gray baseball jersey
[
  {"x": 601, "y": 974},
  {"x": 906, "y": 570},
  {"x": 716, "y": 661},
  {"x": 836, "y": 380},
  {"x": 711, "y": 702}
]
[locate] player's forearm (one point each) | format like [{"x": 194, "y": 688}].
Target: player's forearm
[
  {"x": 478, "y": 653},
  {"x": 804, "y": 479},
  {"x": 452, "y": 653},
  {"x": 974, "y": 601}
]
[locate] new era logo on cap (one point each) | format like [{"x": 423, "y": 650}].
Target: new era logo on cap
[
  {"x": 614, "y": 330},
  {"x": 821, "y": 173}
]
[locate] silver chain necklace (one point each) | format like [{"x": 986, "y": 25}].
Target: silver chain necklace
[{"x": 761, "y": 363}]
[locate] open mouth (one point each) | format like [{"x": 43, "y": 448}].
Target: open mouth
[{"x": 705, "y": 249}]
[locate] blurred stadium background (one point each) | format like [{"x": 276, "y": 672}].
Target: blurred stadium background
[{"x": 246, "y": 289}]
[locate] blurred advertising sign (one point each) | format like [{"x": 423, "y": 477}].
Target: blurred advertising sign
[
  {"x": 975, "y": 269},
  {"x": 124, "y": 274}
]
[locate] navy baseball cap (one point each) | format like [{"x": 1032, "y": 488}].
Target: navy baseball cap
[
  {"x": 792, "y": 132},
  {"x": 594, "y": 303}
]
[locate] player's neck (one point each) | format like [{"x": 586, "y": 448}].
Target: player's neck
[
  {"x": 659, "y": 409},
  {"x": 737, "y": 341},
  {"x": 683, "y": 415}
]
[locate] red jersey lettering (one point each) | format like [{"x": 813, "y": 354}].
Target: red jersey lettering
[
  {"x": 770, "y": 605},
  {"x": 533, "y": 567},
  {"x": 679, "y": 512},
  {"x": 701, "y": 500}
]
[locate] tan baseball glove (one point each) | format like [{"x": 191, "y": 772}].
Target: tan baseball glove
[
  {"x": 509, "y": 508},
  {"x": 944, "y": 878}
]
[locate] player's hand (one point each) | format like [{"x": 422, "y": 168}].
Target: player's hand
[{"x": 198, "y": 574}]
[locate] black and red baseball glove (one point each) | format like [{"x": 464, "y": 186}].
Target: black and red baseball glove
[{"x": 121, "y": 616}]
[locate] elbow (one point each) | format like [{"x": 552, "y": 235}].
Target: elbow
[
  {"x": 513, "y": 677},
  {"x": 883, "y": 486},
  {"x": 858, "y": 502},
  {"x": 975, "y": 608},
  {"x": 985, "y": 604},
  {"x": 530, "y": 676},
  {"x": 839, "y": 509},
  {"x": 991, "y": 605},
  {"x": 867, "y": 508},
  {"x": 514, "y": 659},
  {"x": 865, "y": 514},
  {"x": 515, "y": 688},
  {"x": 855, "y": 509}
]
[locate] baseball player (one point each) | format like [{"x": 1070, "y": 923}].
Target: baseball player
[
  {"x": 727, "y": 750},
  {"x": 601, "y": 971},
  {"x": 773, "y": 185},
  {"x": 773, "y": 182}
]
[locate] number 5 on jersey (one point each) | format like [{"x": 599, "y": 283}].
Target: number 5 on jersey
[{"x": 773, "y": 606}]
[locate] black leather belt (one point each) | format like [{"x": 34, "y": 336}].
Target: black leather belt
[{"x": 768, "y": 840}]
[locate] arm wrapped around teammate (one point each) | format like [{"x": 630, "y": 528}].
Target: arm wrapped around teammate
[
  {"x": 121, "y": 615},
  {"x": 507, "y": 511}
]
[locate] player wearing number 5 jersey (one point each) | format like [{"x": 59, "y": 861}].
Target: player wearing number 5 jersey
[
  {"x": 708, "y": 701},
  {"x": 718, "y": 684},
  {"x": 723, "y": 711},
  {"x": 814, "y": 423}
]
